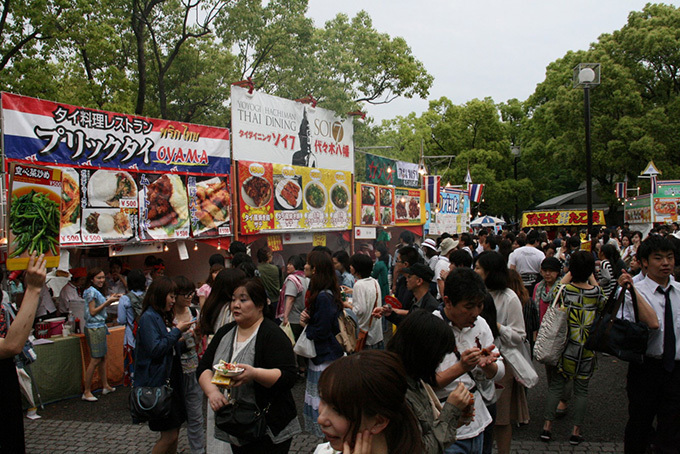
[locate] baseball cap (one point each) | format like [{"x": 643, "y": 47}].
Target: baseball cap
[
  {"x": 430, "y": 243},
  {"x": 421, "y": 270}
]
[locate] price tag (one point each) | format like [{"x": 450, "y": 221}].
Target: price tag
[
  {"x": 128, "y": 203},
  {"x": 224, "y": 230},
  {"x": 182, "y": 233},
  {"x": 65, "y": 239},
  {"x": 89, "y": 238}
]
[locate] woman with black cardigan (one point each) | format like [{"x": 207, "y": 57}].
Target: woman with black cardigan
[{"x": 262, "y": 349}]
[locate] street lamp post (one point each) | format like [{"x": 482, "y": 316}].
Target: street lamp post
[
  {"x": 586, "y": 76},
  {"x": 516, "y": 152}
]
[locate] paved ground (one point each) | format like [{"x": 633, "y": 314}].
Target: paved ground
[{"x": 103, "y": 427}]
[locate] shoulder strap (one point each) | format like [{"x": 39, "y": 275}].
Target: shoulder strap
[{"x": 375, "y": 304}]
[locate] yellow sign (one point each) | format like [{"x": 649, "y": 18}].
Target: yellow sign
[
  {"x": 561, "y": 217},
  {"x": 319, "y": 239}
]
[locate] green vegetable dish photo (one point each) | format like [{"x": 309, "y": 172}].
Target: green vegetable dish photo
[{"x": 34, "y": 222}]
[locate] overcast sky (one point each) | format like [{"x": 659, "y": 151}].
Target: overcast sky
[{"x": 474, "y": 49}]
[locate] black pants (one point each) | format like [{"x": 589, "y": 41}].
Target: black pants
[{"x": 653, "y": 392}]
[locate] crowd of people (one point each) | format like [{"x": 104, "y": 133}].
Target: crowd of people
[{"x": 438, "y": 321}]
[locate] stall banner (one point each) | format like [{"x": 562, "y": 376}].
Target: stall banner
[
  {"x": 71, "y": 207},
  {"x": 275, "y": 130},
  {"x": 385, "y": 171},
  {"x": 209, "y": 206},
  {"x": 109, "y": 206},
  {"x": 34, "y": 214},
  {"x": 280, "y": 197},
  {"x": 408, "y": 173},
  {"x": 163, "y": 207},
  {"x": 367, "y": 204},
  {"x": 638, "y": 210},
  {"x": 452, "y": 214},
  {"x": 409, "y": 206},
  {"x": 561, "y": 217},
  {"x": 60, "y": 134}
]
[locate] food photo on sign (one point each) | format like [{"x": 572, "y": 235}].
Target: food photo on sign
[
  {"x": 288, "y": 195},
  {"x": 256, "y": 197},
  {"x": 386, "y": 205},
  {"x": 209, "y": 206},
  {"x": 315, "y": 198},
  {"x": 34, "y": 214},
  {"x": 109, "y": 205},
  {"x": 70, "y": 206},
  {"x": 164, "y": 207},
  {"x": 368, "y": 206}
]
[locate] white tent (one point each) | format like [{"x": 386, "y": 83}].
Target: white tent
[{"x": 487, "y": 221}]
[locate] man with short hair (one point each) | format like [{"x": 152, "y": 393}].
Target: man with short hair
[
  {"x": 464, "y": 294},
  {"x": 406, "y": 257},
  {"x": 526, "y": 260},
  {"x": 654, "y": 386},
  {"x": 481, "y": 239},
  {"x": 466, "y": 243},
  {"x": 418, "y": 278},
  {"x": 429, "y": 248}
]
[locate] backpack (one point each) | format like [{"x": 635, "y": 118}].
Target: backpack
[{"x": 349, "y": 331}]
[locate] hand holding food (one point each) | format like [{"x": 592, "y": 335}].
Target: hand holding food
[
  {"x": 470, "y": 358},
  {"x": 247, "y": 374},
  {"x": 460, "y": 397}
]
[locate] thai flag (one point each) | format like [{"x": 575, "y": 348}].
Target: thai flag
[
  {"x": 653, "y": 184},
  {"x": 621, "y": 190},
  {"x": 433, "y": 188},
  {"x": 475, "y": 192}
]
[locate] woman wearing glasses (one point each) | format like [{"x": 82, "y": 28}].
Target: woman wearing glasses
[{"x": 193, "y": 394}]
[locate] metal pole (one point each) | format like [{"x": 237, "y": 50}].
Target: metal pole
[
  {"x": 589, "y": 183},
  {"x": 516, "y": 201}
]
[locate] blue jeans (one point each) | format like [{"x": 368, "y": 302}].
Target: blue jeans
[{"x": 468, "y": 446}]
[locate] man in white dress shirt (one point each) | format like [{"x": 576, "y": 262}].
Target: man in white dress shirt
[{"x": 654, "y": 387}]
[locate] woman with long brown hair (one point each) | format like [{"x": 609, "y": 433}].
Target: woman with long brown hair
[
  {"x": 321, "y": 321},
  {"x": 363, "y": 404}
]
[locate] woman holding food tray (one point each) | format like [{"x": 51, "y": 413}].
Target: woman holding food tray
[
  {"x": 262, "y": 364},
  {"x": 96, "y": 330}
]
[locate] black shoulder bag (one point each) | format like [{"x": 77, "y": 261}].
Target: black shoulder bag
[
  {"x": 148, "y": 403},
  {"x": 622, "y": 338}
]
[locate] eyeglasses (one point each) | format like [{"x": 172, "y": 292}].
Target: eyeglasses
[
  {"x": 398, "y": 261},
  {"x": 189, "y": 295}
]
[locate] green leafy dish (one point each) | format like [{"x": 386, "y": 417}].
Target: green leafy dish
[{"x": 315, "y": 196}]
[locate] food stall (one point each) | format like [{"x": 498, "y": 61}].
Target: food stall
[
  {"x": 121, "y": 185},
  {"x": 294, "y": 171},
  {"x": 451, "y": 214}
]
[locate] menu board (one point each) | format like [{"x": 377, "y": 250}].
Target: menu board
[
  {"x": 279, "y": 197},
  {"x": 163, "y": 207},
  {"x": 70, "y": 207},
  {"x": 34, "y": 215},
  {"x": 453, "y": 213},
  {"x": 108, "y": 206},
  {"x": 409, "y": 208},
  {"x": 385, "y": 205},
  {"x": 209, "y": 206},
  {"x": 367, "y": 204}
]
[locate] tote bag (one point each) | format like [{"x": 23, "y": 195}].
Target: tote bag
[
  {"x": 552, "y": 335},
  {"x": 305, "y": 346}
]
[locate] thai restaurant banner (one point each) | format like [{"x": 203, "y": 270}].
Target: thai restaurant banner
[
  {"x": 666, "y": 201},
  {"x": 280, "y": 197},
  {"x": 638, "y": 210},
  {"x": 453, "y": 213},
  {"x": 34, "y": 214},
  {"x": 124, "y": 178},
  {"x": 275, "y": 130},
  {"x": 386, "y": 171},
  {"x": 386, "y": 205},
  {"x": 561, "y": 217}
]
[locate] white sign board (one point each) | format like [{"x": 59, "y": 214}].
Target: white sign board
[
  {"x": 365, "y": 233},
  {"x": 280, "y": 131}
]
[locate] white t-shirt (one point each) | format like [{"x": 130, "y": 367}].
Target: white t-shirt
[
  {"x": 442, "y": 265},
  {"x": 365, "y": 294},
  {"x": 527, "y": 259},
  {"x": 466, "y": 339}
]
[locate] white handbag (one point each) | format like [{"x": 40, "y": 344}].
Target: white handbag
[
  {"x": 552, "y": 334},
  {"x": 305, "y": 346},
  {"x": 519, "y": 360}
]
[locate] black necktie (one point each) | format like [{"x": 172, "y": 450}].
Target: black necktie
[{"x": 668, "y": 357}]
